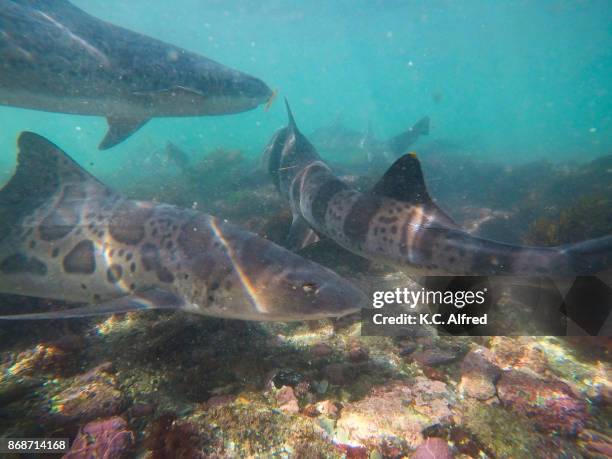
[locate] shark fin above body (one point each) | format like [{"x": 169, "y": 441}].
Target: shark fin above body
[
  {"x": 42, "y": 169},
  {"x": 119, "y": 129},
  {"x": 404, "y": 182},
  {"x": 290, "y": 119},
  {"x": 148, "y": 299}
]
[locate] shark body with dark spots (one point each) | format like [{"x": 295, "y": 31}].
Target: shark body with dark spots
[
  {"x": 397, "y": 223},
  {"x": 338, "y": 140},
  {"x": 66, "y": 236},
  {"x": 55, "y": 57}
]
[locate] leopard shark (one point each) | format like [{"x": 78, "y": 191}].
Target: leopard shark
[
  {"x": 398, "y": 224},
  {"x": 66, "y": 236},
  {"x": 55, "y": 57}
]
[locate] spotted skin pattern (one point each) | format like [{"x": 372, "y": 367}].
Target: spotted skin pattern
[
  {"x": 398, "y": 224},
  {"x": 80, "y": 241}
]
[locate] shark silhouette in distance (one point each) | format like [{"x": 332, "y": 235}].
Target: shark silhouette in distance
[
  {"x": 55, "y": 57},
  {"x": 64, "y": 235},
  {"x": 339, "y": 139}
]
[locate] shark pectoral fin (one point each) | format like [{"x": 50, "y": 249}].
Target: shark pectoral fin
[
  {"x": 146, "y": 299},
  {"x": 120, "y": 129},
  {"x": 300, "y": 234}
]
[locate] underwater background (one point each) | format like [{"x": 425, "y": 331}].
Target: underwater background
[
  {"x": 520, "y": 149},
  {"x": 508, "y": 81}
]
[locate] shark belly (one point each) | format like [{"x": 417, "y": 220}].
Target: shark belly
[{"x": 91, "y": 105}]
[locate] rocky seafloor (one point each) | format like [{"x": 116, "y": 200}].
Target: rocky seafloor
[{"x": 173, "y": 385}]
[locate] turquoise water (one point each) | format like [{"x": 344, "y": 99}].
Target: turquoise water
[{"x": 510, "y": 81}]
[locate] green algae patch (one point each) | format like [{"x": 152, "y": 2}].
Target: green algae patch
[{"x": 502, "y": 433}]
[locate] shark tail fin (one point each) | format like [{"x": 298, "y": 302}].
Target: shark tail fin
[
  {"x": 42, "y": 169},
  {"x": 402, "y": 142},
  {"x": 422, "y": 126},
  {"x": 592, "y": 257}
]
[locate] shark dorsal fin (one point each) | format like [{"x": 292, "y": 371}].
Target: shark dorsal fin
[
  {"x": 43, "y": 169},
  {"x": 291, "y": 119},
  {"x": 38, "y": 156},
  {"x": 404, "y": 181}
]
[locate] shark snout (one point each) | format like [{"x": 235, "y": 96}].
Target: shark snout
[
  {"x": 340, "y": 298},
  {"x": 315, "y": 293},
  {"x": 253, "y": 89}
]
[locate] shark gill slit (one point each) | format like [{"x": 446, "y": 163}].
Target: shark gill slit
[{"x": 244, "y": 279}]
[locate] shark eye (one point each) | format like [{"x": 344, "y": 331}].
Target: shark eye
[{"x": 309, "y": 287}]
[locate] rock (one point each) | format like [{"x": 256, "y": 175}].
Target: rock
[
  {"x": 433, "y": 399},
  {"x": 104, "y": 368},
  {"x": 40, "y": 359},
  {"x": 322, "y": 350},
  {"x": 302, "y": 389},
  {"x": 480, "y": 360},
  {"x": 287, "y": 377},
  {"x": 320, "y": 386},
  {"x": 218, "y": 401},
  {"x": 479, "y": 374},
  {"x": 433, "y": 448},
  {"x": 310, "y": 410},
  {"x": 476, "y": 386},
  {"x": 596, "y": 444},
  {"x": 70, "y": 343},
  {"x": 14, "y": 389},
  {"x": 287, "y": 400},
  {"x": 337, "y": 373},
  {"x": 434, "y": 373},
  {"x": 394, "y": 414},
  {"x": 434, "y": 356},
  {"x": 551, "y": 404},
  {"x": 327, "y": 408},
  {"x": 105, "y": 438},
  {"x": 381, "y": 416},
  {"x": 353, "y": 451},
  {"x": 358, "y": 354},
  {"x": 407, "y": 348},
  {"x": 140, "y": 410},
  {"x": 91, "y": 395},
  {"x": 519, "y": 353}
]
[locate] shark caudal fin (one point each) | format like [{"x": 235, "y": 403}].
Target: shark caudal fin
[
  {"x": 421, "y": 126},
  {"x": 43, "y": 170},
  {"x": 401, "y": 142},
  {"x": 592, "y": 257}
]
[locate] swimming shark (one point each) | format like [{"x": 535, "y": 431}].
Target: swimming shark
[
  {"x": 398, "y": 224},
  {"x": 66, "y": 236},
  {"x": 338, "y": 139},
  {"x": 55, "y": 57}
]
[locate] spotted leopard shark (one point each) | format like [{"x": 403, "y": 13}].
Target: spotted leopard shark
[
  {"x": 397, "y": 223},
  {"x": 56, "y": 57},
  {"x": 64, "y": 235}
]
